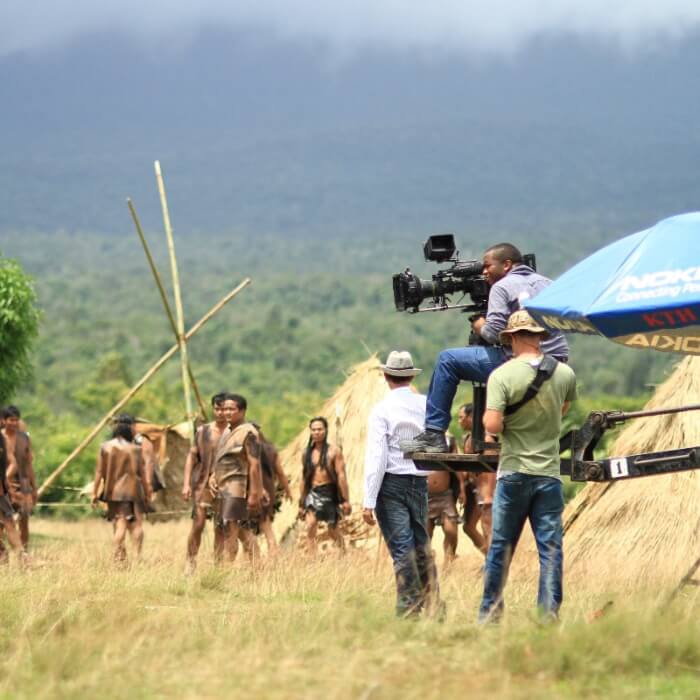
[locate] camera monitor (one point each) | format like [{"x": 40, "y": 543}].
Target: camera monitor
[{"x": 440, "y": 248}]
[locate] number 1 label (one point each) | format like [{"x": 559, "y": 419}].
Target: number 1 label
[{"x": 618, "y": 467}]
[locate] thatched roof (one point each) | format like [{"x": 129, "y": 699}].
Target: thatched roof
[
  {"x": 347, "y": 412},
  {"x": 631, "y": 533}
]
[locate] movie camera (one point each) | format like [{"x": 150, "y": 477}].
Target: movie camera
[{"x": 462, "y": 277}]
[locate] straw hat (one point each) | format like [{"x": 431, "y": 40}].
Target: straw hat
[
  {"x": 400, "y": 364},
  {"x": 522, "y": 321}
]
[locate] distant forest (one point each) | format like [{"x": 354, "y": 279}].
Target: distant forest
[{"x": 315, "y": 308}]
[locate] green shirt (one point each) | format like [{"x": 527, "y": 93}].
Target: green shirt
[{"x": 530, "y": 439}]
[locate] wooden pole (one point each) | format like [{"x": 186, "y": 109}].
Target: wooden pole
[
  {"x": 164, "y": 298},
  {"x": 184, "y": 362},
  {"x": 134, "y": 389}
]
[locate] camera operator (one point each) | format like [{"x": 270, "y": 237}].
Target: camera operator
[{"x": 511, "y": 282}]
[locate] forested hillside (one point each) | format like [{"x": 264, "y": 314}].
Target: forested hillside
[{"x": 315, "y": 307}]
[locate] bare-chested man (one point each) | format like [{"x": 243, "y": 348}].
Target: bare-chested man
[
  {"x": 7, "y": 513},
  {"x": 198, "y": 470},
  {"x": 236, "y": 481},
  {"x": 20, "y": 471},
  {"x": 469, "y": 495},
  {"x": 324, "y": 484},
  {"x": 443, "y": 490},
  {"x": 485, "y": 489},
  {"x": 122, "y": 483}
]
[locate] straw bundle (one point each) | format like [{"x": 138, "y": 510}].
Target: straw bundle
[
  {"x": 347, "y": 412},
  {"x": 171, "y": 444},
  {"x": 640, "y": 531}
]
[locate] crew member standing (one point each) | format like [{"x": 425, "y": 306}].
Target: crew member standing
[
  {"x": 396, "y": 491},
  {"x": 529, "y": 484}
]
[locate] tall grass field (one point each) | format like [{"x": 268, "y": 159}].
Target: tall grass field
[{"x": 75, "y": 626}]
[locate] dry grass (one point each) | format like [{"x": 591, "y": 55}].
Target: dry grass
[
  {"x": 76, "y": 627},
  {"x": 651, "y": 525}
]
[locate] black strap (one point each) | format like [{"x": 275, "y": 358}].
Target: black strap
[{"x": 544, "y": 372}]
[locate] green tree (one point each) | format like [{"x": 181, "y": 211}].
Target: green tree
[{"x": 19, "y": 325}]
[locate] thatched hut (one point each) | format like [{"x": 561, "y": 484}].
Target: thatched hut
[
  {"x": 347, "y": 413},
  {"x": 637, "y": 532}
]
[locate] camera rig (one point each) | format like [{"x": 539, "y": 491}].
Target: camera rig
[
  {"x": 466, "y": 277},
  {"x": 463, "y": 276},
  {"x": 582, "y": 465}
]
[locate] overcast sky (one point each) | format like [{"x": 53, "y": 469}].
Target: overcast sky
[{"x": 464, "y": 26}]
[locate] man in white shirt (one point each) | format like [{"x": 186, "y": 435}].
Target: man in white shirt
[{"x": 396, "y": 492}]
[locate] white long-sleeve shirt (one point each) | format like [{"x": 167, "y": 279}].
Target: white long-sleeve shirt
[{"x": 400, "y": 416}]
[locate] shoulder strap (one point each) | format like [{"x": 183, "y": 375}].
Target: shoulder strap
[{"x": 544, "y": 372}]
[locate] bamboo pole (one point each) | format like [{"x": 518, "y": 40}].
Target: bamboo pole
[
  {"x": 184, "y": 362},
  {"x": 134, "y": 389},
  {"x": 164, "y": 298}
]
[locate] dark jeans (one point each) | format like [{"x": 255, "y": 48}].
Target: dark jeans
[
  {"x": 472, "y": 364},
  {"x": 520, "y": 497},
  {"x": 402, "y": 515}
]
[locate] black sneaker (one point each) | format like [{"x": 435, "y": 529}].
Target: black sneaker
[{"x": 427, "y": 441}]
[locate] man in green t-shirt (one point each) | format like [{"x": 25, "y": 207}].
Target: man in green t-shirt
[{"x": 529, "y": 485}]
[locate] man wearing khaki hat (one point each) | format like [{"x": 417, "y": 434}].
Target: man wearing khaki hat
[
  {"x": 396, "y": 492},
  {"x": 525, "y": 400}
]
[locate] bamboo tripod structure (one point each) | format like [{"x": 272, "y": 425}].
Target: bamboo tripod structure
[
  {"x": 134, "y": 389},
  {"x": 184, "y": 362},
  {"x": 166, "y": 303},
  {"x": 177, "y": 325}
]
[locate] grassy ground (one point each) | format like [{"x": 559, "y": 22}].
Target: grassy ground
[{"x": 75, "y": 627}]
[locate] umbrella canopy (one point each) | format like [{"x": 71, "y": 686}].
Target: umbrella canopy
[{"x": 642, "y": 291}]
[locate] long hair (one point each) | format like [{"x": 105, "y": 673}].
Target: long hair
[
  {"x": 123, "y": 427},
  {"x": 308, "y": 465}
]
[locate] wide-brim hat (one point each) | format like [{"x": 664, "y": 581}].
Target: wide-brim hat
[
  {"x": 521, "y": 321},
  {"x": 400, "y": 364}
]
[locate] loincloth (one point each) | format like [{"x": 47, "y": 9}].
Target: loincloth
[
  {"x": 323, "y": 501},
  {"x": 230, "y": 509},
  {"x": 442, "y": 505},
  {"x": 21, "y": 498},
  {"x": 129, "y": 510},
  {"x": 231, "y": 503},
  {"x": 6, "y": 509}
]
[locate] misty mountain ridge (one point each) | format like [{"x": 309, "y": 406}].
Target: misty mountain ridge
[{"x": 259, "y": 135}]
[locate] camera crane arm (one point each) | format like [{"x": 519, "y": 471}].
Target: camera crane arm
[{"x": 583, "y": 466}]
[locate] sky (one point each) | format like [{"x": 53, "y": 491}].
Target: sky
[{"x": 346, "y": 26}]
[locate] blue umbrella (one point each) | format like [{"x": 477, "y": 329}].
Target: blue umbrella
[{"x": 642, "y": 291}]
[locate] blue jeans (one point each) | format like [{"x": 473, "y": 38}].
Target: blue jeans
[
  {"x": 402, "y": 515},
  {"x": 469, "y": 364},
  {"x": 520, "y": 497}
]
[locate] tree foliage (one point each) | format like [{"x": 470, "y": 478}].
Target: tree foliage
[{"x": 19, "y": 326}]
